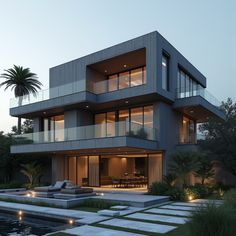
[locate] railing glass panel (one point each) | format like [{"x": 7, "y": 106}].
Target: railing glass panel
[{"x": 89, "y": 132}]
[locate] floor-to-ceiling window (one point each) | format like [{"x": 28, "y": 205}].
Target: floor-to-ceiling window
[
  {"x": 188, "y": 131},
  {"x": 187, "y": 86},
  {"x": 129, "y": 78},
  {"x": 53, "y": 128},
  {"x": 136, "y": 121}
]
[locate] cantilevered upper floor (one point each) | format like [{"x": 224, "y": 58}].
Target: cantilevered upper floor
[{"x": 145, "y": 68}]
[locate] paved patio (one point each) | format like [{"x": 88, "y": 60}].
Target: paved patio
[{"x": 138, "y": 200}]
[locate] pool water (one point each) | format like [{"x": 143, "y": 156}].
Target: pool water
[{"x": 11, "y": 225}]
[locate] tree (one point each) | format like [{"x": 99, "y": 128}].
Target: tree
[
  {"x": 182, "y": 164},
  {"x": 7, "y": 163},
  {"x": 27, "y": 127},
  {"x": 221, "y": 137},
  {"x": 22, "y": 81},
  {"x": 204, "y": 168},
  {"x": 32, "y": 171}
]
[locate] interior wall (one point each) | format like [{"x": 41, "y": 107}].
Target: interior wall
[
  {"x": 155, "y": 167},
  {"x": 82, "y": 169},
  {"x": 94, "y": 171},
  {"x": 72, "y": 169}
]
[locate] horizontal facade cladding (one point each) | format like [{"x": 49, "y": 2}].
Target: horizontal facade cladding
[{"x": 112, "y": 142}]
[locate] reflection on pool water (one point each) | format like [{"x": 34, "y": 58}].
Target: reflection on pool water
[{"x": 11, "y": 225}]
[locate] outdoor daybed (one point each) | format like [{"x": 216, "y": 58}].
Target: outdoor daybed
[{"x": 48, "y": 191}]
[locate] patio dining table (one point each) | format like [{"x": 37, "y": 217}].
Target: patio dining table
[{"x": 129, "y": 182}]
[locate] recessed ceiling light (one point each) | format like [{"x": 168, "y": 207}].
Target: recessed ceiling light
[
  {"x": 87, "y": 106},
  {"x": 44, "y": 112},
  {"x": 191, "y": 112},
  {"x": 125, "y": 65},
  {"x": 105, "y": 71},
  {"x": 126, "y": 102}
]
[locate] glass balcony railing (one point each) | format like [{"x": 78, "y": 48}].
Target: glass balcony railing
[
  {"x": 99, "y": 87},
  {"x": 198, "y": 91},
  {"x": 187, "y": 138},
  {"x": 89, "y": 132},
  {"x": 51, "y": 93}
]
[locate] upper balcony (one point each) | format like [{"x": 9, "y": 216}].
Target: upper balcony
[
  {"x": 107, "y": 135},
  {"x": 197, "y": 103}
]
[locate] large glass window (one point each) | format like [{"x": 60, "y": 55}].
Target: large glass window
[
  {"x": 124, "y": 80},
  {"x": 130, "y": 78},
  {"x": 112, "y": 83},
  {"x": 165, "y": 72},
  {"x": 136, "y": 77},
  {"x": 111, "y": 118},
  {"x": 188, "y": 131},
  {"x": 100, "y": 129},
  {"x": 135, "y": 121},
  {"x": 187, "y": 86},
  {"x": 123, "y": 121},
  {"x": 54, "y": 128},
  {"x": 148, "y": 120}
]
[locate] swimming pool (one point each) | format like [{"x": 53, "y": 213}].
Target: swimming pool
[{"x": 13, "y": 225}]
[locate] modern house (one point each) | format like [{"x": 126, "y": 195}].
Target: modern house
[{"x": 117, "y": 114}]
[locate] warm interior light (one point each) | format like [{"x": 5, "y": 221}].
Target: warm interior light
[
  {"x": 125, "y": 65},
  {"x": 102, "y": 194},
  {"x": 28, "y": 195},
  {"x": 20, "y": 213},
  {"x": 190, "y": 197}
]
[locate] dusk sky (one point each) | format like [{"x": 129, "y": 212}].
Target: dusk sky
[{"x": 36, "y": 34}]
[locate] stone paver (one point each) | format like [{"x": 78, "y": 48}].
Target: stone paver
[
  {"x": 168, "y": 212},
  {"x": 88, "y": 230},
  {"x": 207, "y": 201},
  {"x": 182, "y": 208},
  {"x": 139, "y": 200},
  {"x": 108, "y": 213},
  {"x": 137, "y": 225},
  {"x": 161, "y": 218},
  {"x": 119, "y": 207},
  {"x": 189, "y": 204}
]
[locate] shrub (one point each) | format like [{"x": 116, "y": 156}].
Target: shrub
[
  {"x": 158, "y": 188},
  {"x": 170, "y": 179},
  {"x": 202, "y": 190},
  {"x": 212, "y": 220},
  {"x": 230, "y": 197},
  {"x": 175, "y": 194},
  {"x": 190, "y": 193},
  {"x": 11, "y": 185}
]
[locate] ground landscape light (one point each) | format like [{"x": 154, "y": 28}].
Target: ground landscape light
[{"x": 71, "y": 222}]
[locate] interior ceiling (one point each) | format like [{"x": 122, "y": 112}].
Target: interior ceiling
[
  {"x": 122, "y": 152},
  {"x": 116, "y": 64}
]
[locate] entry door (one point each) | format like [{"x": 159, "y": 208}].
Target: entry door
[
  {"x": 154, "y": 168},
  {"x": 93, "y": 170}
]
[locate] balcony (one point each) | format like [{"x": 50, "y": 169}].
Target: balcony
[
  {"x": 199, "y": 91},
  {"x": 197, "y": 103},
  {"x": 106, "y": 130}
]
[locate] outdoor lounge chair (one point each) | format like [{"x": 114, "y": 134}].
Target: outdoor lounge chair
[
  {"x": 74, "y": 191},
  {"x": 48, "y": 191}
]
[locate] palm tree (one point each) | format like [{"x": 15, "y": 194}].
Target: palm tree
[
  {"x": 23, "y": 82},
  {"x": 32, "y": 171},
  {"x": 182, "y": 164}
]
